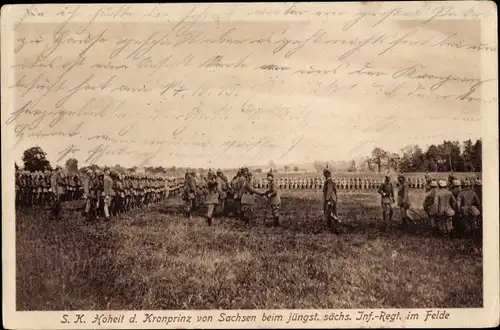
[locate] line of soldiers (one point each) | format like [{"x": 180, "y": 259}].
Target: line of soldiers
[
  {"x": 344, "y": 183},
  {"x": 105, "y": 192},
  {"x": 36, "y": 188},
  {"x": 110, "y": 193}
]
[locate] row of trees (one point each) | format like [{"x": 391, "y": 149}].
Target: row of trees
[{"x": 449, "y": 156}]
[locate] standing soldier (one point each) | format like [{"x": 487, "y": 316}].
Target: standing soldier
[
  {"x": 330, "y": 200},
  {"x": 119, "y": 194},
  {"x": 108, "y": 193},
  {"x": 456, "y": 222},
  {"x": 446, "y": 202},
  {"x": 469, "y": 206},
  {"x": 212, "y": 197},
  {"x": 247, "y": 198},
  {"x": 403, "y": 200},
  {"x": 57, "y": 187},
  {"x": 240, "y": 183},
  {"x": 431, "y": 204},
  {"x": 223, "y": 184},
  {"x": 274, "y": 199},
  {"x": 87, "y": 195},
  {"x": 189, "y": 193},
  {"x": 386, "y": 192}
]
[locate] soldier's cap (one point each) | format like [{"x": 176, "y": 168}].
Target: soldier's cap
[
  {"x": 433, "y": 183},
  {"x": 270, "y": 175},
  {"x": 457, "y": 183},
  {"x": 442, "y": 183},
  {"x": 326, "y": 172}
]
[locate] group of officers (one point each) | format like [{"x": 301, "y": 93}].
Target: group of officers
[
  {"x": 452, "y": 206},
  {"x": 106, "y": 193},
  {"x": 224, "y": 197}
]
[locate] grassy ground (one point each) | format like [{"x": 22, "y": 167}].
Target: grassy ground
[{"x": 156, "y": 259}]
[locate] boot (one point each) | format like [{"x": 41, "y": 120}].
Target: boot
[
  {"x": 209, "y": 221},
  {"x": 276, "y": 222}
]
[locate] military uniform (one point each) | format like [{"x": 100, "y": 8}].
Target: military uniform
[
  {"x": 403, "y": 200},
  {"x": 87, "y": 194},
  {"x": 386, "y": 191},
  {"x": 212, "y": 196},
  {"x": 189, "y": 194},
  {"x": 224, "y": 187},
  {"x": 431, "y": 203},
  {"x": 108, "y": 194},
  {"x": 457, "y": 223},
  {"x": 274, "y": 199},
  {"x": 247, "y": 192},
  {"x": 330, "y": 201},
  {"x": 446, "y": 203}
]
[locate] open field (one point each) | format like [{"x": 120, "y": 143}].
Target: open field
[{"x": 155, "y": 259}]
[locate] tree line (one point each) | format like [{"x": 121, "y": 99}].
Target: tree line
[{"x": 449, "y": 156}]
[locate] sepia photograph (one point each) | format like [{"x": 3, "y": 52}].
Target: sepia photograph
[{"x": 259, "y": 165}]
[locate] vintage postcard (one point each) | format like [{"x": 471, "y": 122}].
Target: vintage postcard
[{"x": 250, "y": 165}]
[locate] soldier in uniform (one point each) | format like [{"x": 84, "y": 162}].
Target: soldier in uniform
[
  {"x": 108, "y": 193},
  {"x": 224, "y": 187},
  {"x": 431, "y": 204},
  {"x": 457, "y": 224},
  {"x": 403, "y": 200},
  {"x": 247, "y": 199},
  {"x": 330, "y": 200},
  {"x": 469, "y": 206},
  {"x": 212, "y": 196},
  {"x": 87, "y": 194},
  {"x": 386, "y": 192},
  {"x": 189, "y": 193},
  {"x": 446, "y": 203},
  {"x": 273, "y": 194},
  {"x": 118, "y": 201},
  {"x": 58, "y": 188},
  {"x": 240, "y": 183}
]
